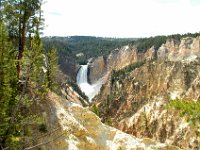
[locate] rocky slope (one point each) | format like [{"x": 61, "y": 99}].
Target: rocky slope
[
  {"x": 187, "y": 49},
  {"x": 69, "y": 126},
  {"x": 69, "y": 67},
  {"x": 136, "y": 101},
  {"x": 97, "y": 69},
  {"x": 118, "y": 58}
]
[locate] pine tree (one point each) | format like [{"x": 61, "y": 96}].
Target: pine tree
[
  {"x": 8, "y": 87},
  {"x": 37, "y": 68},
  {"x": 23, "y": 18},
  {"x": 20, "y": 19},
  {"x": 52, "y": 69}
]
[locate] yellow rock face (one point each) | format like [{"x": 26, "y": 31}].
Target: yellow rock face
[
  {"x": 188, "y": 49},
  {"x": 80, "y": 129}
]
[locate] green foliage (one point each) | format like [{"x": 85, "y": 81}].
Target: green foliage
[
  {"x": 8, "y": 86},
  {"x": 146, "y": 125},
  {"x": 121, "y": 74},
  {"x": 108, "y": 121},
  {"x": 95, "y": 109},
  {"x": 189, "y": 109},
  {"x": 43, "y": 128},
  {"x": 109, "y": 100},
  {"x": 22, "y": 15},
  {"x": 52, "y": 69},
  {"x": 89, "y": 46},
  {"x": 143, "y": 44},
  {"x": 37, "y": 70},
  {"x": 33, "y": 68},
  {"x": 145, "y": 122}
]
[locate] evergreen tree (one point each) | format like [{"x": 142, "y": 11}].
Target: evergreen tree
[
  {"x": 8, "y": 89},
  {"x": 23, "y": 18},
  {"x": 34, "y": 67},
  {"x": 52, "y": 69},
  {"x": 20, "y": 19}
]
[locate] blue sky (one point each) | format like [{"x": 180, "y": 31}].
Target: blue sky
[{"x": 121, "y": 18}]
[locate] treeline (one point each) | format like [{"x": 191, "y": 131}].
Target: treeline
[
  {"x": 27, "y": 70},
  {"x": 86, "y": 46},
  {"x": 143, "y": 44}
]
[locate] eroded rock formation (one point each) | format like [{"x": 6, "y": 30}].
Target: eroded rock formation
[
  {"x": 118, "y": 59},
  {"x": 137, "y": 102},
  {"x": 188, "y": 49},
  {"x": 69, "y": 67},
  {"x": 97, "y": 69},
  {"x": 69, "y": 126}
]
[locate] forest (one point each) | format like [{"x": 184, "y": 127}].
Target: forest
[
  {"x": 27, "y": 70},
  {"x": 88, "y": 46}
]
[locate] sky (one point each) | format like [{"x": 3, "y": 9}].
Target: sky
[{"x": 121, "y": 18}]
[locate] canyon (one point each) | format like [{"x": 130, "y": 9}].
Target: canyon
[
  {"x": 136, "y": 101},
  {"x": 131, "y": 109}
]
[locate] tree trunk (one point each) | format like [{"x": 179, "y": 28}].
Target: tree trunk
[{"x": 22, "y": 40}]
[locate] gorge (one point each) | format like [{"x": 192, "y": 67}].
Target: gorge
[
  {"x": 138, "y": 89},
  {"x": 99, "y": 93},
  {"x": 130, "y": 93}
]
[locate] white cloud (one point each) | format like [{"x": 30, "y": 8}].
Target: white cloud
[{"x": 121, "y": 18}]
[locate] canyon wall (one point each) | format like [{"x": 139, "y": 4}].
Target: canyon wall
[
  {"x": 136, "y": 102},
  {"x": 173, "y": 50},
  {"x": 97, "y": 69},
  {"x": 69, "y": 67},
  {"x": 118, "y": 59},
  {"x": 187, "y": 49}
]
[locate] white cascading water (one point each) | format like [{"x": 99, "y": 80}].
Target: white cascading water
[{"x": 82, "y": 81}]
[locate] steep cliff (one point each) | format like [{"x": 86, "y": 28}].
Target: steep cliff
[
  {"x": 97, "y": 69},
  {"x": 68, "y": 66},
  {"x": 187, "y": 49},
  {"x": 135, "y": 101},
  {"x": 117, "y": 59},
  {"x": 69, "y": 126}
]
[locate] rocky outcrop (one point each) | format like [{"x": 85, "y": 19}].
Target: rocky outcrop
[
  {"x": 188, "y": 49},
  {"x": 69, "y": 67},
  {"x": 69, "y": 126},
  {"x": 150, "y": 54},
  {"x": 118, "y": 59},
  {"x": 97, "y": 69}
]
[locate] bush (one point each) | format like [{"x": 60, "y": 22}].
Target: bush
[
  {"x": 43, "y": 128},
  {"x": 189, "y": 109}
]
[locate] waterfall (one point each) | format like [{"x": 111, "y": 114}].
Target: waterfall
[
  {"x": 82, "y": 75},
  {"x": 82, "y": 81}
]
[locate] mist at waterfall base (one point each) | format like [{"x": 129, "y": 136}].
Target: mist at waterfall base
[{"x": 82, "y": 81}]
